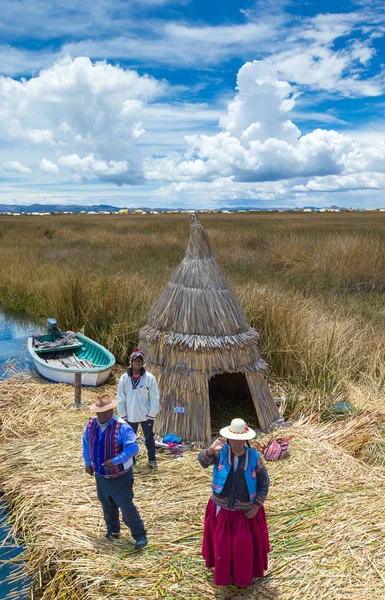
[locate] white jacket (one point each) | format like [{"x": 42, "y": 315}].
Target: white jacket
[{"x": 138, "y": 404}]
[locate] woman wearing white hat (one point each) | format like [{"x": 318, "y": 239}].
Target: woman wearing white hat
[{"x": 235, "y": 538}]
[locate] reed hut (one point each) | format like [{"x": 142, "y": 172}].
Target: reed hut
[{"x": 199, "y": 345}]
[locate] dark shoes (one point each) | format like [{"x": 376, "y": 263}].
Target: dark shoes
[
  {"x": 141, "y": 543},
  {"x": 112, "y": 535},
  {"x": 153, "y": 464}
]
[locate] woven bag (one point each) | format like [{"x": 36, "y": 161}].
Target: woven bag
[{"x": 277, "y": 449}]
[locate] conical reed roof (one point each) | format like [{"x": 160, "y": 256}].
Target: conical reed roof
[
  {"x": 198, "y": 300},
  {"x": 196, "y": 330}
]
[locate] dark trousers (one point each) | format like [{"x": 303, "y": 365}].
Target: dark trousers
[
  {"x": 118, "y": 493},
  {"x": 148, "y": 430}
]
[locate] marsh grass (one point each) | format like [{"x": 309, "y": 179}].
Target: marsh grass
[{"x": 312, "y": 284}]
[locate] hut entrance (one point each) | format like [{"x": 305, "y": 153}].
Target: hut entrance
[{"x": 230, "y": 398}]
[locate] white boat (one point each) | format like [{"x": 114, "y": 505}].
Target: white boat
[{"x": 62, "y": 362}]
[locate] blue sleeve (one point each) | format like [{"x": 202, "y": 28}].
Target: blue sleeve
[
  {"x": 86, "y": 449},
  {"x": 127, "y": 438}
]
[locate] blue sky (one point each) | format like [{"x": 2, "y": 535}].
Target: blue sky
[{"x": 169, "y": 103}]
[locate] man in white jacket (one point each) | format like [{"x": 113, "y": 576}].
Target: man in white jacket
[{"x": 138, "y": 401}]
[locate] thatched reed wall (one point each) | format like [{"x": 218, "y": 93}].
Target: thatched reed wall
[{"x": 197, "y": 329}]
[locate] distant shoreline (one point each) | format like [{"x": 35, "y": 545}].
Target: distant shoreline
[{"x": 47, "y": 210}]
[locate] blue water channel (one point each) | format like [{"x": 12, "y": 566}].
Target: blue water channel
[
  {"x": 14, "y": 332},
  {"x": 14, "y": 359}
]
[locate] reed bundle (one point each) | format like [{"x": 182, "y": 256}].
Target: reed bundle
[
  {"x": 352, "y": 435},
  {"x": 326, "y": 513}
]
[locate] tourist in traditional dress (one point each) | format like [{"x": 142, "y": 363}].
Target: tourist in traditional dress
[
  {"x": 235, "y": 537},
  {"x": 138, "y": 401},
  {"x": 109, "y": 445}
]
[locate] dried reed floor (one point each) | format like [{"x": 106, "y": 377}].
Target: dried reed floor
[{"x": 326, "y": 512}]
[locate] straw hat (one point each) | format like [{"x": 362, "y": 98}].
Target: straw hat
[
  {"x": 237, "y": 430},
  {"x": 103, "y": 403}
]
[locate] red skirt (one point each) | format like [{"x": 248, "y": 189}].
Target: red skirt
[{"x": 235, "y": 546}]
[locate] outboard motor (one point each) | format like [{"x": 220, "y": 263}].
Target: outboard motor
[{"x": 52, "y": 327}]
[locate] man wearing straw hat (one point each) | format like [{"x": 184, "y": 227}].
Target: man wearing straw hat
[
  {"x": 138, "y": 401},
  {"x": 109, "y": 445},
  {"x": 235, "y": 535}
]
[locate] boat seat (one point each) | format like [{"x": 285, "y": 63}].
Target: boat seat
[
  {"x": 58, "y": 348},
  {"x": 70, "y": 362}
]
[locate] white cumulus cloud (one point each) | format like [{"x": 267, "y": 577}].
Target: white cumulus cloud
[
  {"x": 14, "y": 166},
  {"x": 260, "y": 109},
  {"x": 49, "y": 167},
  {"x": 259, "y": 142},
  {"x": 79, "y": 108},
  {"x": 115, "y": 171}
]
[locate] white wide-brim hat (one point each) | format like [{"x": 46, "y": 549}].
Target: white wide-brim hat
[{"x": 237, "y": 430}]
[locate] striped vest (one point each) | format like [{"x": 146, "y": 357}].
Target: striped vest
[
  {"x": 103, "y": 446},
  {"x": 222, "y": 469}
]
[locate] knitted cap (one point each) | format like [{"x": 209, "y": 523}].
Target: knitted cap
[{"x": 136, "y": 353}]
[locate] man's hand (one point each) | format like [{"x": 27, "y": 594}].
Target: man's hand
[
  {"x": 217, "y": 445},
  {"x": 89, "y": 470},
  {"x": 250, "y": 514},
  {"x": 108, "y": 464}
]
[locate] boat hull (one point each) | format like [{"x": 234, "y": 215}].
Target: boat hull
[
  {"x": 64, "y": 371},
  {"x": 91, "y": 379}
]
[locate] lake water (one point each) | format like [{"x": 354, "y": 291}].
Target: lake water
[
  {"x": 14, "y": 359},
  {"x": 10, "y": 550},
  {"x": 14, "y": 332}
]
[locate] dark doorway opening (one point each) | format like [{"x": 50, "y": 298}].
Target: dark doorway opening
[{"x": 230, "y": 398}]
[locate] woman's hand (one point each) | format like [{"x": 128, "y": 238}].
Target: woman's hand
[
  {"x": 250, "y": 514},
  {"x": 217, "y": 445},
  {"x": 89, "y": 470},
  {"x": 108, "y": 464}
]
